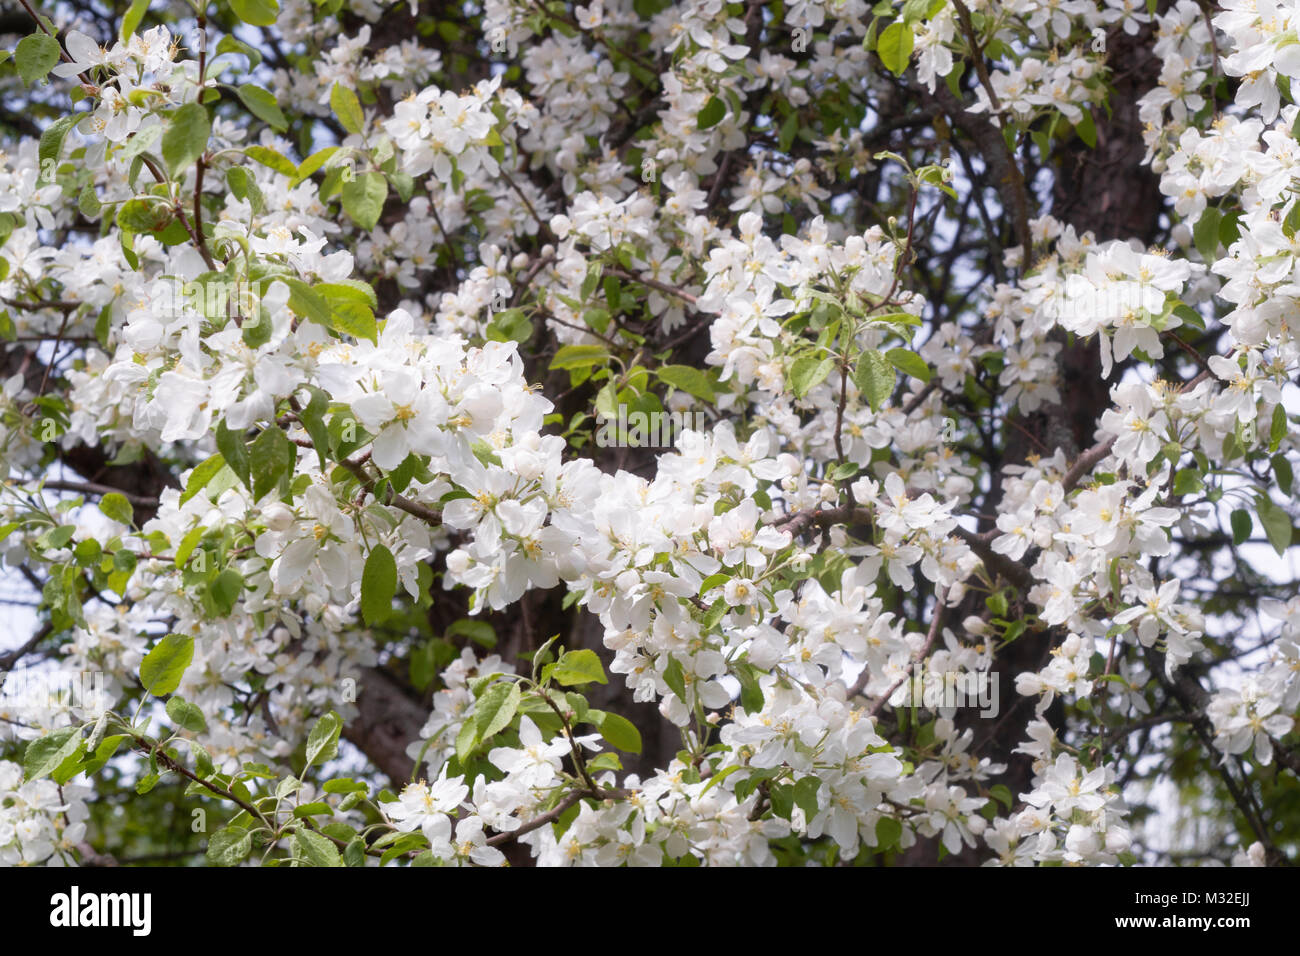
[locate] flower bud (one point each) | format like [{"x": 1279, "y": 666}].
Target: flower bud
[{"x": 277, "y": 517}]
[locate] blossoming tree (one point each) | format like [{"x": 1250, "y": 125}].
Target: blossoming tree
[{"x": 314, "y": 313}]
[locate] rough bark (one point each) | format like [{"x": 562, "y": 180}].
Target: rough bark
[
  {"x": 388, "y": 721},
  {"x": 1108, "y": 191}
]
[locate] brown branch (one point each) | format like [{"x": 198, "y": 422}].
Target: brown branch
[
  {"x": 1097, "y": 452},
  {"x": 1286, "y": 757},
  {"x": 1085, "y": 463},
  {"x": 94, "y": 488},
  {"x": 423, "y": 512},
  {"x": 655, "y": 284},
  {"x": 550, "y": 816},
  {"x": 1002, "y": 166},
  {"x": 1016, "y": 178},
  {"x": 936, "y": 624},
  {"x": 10, "y": 658},
  {"x": 1013, "y": 571}
]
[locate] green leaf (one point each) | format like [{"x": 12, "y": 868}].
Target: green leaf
[
  {"x": 103, "y": 324},
  {"x": 323, "y": 741},
  {"x": 313, "y": 163},
  {"x": 466, "y": 741},
  {"x": 620, "y": 732},
  {"x": 714, "y": 581},
  {"x": 271, "y": 458},
  {"x": 347, "y": 108},
  {"x": 188, "y": 544},
  {"x": 423, "y": 664},
  {"x": 103, "y": 753},
  {"x": 405, "y": 844},
  {"x": 604, "y": 761},
  {"x": 1285, "y": 478},
  {"x": 674, "y": 677},
  {"x": 1189, "y": 316},
  {"x": 144, "y": 216},
  {"x": 909, "y": 363},
  {"x": 874, "y": 378},
  {"x": 349, "y": 308},
  {"x": 495, "y": 709},
  {"x": 579, "y": 667},
  {"x": 234, "y": 452},
  {"x": 805, "y": 796},
  {"x": 115, "y": 506},
  {"x": 259, "y": 13},
  {"x": 1229, "y": 231},
  {"x": 226, "y": 589},
  {"x": 808, "y": 372},
  {"x": 162, "y": 668},
  {"x": 1278, "y": 428},
  {"x": 354, "y": 854},
  {"x": 895, "y": 46},
  {"x": 692, "y": 381},
  {"x": 58, "y": 537},
  {"x": 1232, "y": 449},
  {"x": 751, "y": 695},
  {"x": 711, "y": 115},
  {"x": 262, "y": 105},
  {"x": 186, "y": 137},
  {"x": 1276, "y": 522},
  {"x": 313, "y": 419},
  {"x": 789, "y": 130},
  {"x": 888, "y": 832},
  {"x": 1087, "y": 129},
  {"x": 1013, "y": 631},
  {"x": 782, "y": 797},
  {"x": 510, "y": 325},
  {"x": 353, "y": 291},
  {"x": 378, "y": 585},
  {"x": 46, "y": 753},
  {"x": 315, "y": 849},
  {"x": 242, "y": 184},
  {"x": 228, "y": 846},
  {"x": 1242, "y": 526},
  {"x": 308, "y": 303},
  {"x": 131, "y": 20},
  {"x": 485, "y": 453},
  {"x": 580, "y": 356},
  {"x": 363, "y": 199},
  {"x": 1188, "y": 481},
  {"x": 185, "y": 715},
  {"x": 51, "y": 145},
  {"x": 594, "y": 271},
  {"x": 229, "y": 44},
  {"x": 715, "y": 614},
  {"x": 480, "y": 632},
  {"x": 71, "y": 765},
  {"x": 1205, "y": 234},
  {"x": 1290, "y": 223},
  {"x": 35, "y": 56},
  {"x": 271, "y": 159}
]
